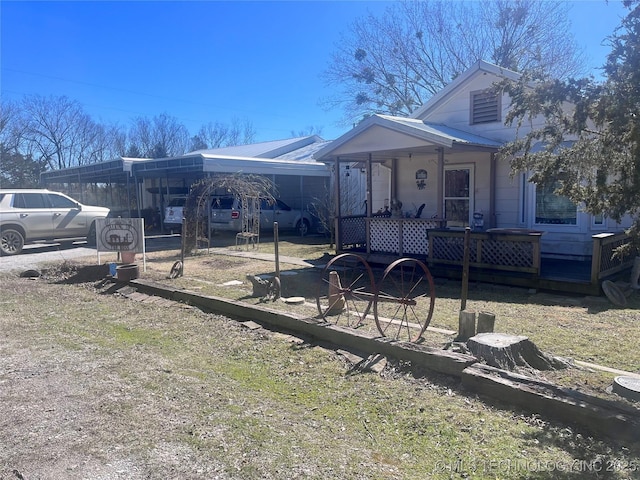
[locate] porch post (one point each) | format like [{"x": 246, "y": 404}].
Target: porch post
[
  {"x": 369, "y": 206},
  {"x": 440, "y": 188},
  {"x": 337, "y": 209},
  {"x": 492, "y": 192},
  {"x": 394, "y": 179}
]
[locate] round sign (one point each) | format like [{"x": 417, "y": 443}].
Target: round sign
[{"x": 120, "y": 235}]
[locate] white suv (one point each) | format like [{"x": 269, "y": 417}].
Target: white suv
[
  {"x": 173, "y": 214},
  {"x": 31, "y": 215},
  {"x": 226, "y": 215}
]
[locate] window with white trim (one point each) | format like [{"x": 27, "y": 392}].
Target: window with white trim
[
  {"x": 598, "y": 220},
  {"x": 554, "y": 209}
]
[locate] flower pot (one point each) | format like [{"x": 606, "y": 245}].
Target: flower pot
[{"x": 128, "y": 257}]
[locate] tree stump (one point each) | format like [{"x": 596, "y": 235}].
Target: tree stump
[{"x": 510, "y": 352}]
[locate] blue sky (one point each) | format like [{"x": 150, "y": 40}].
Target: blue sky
[{"x": 202, "y": 61}]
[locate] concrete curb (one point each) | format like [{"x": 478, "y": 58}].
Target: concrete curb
[
  {"x": 596, "y": 415},
  {"x": 441, "y": 361}
]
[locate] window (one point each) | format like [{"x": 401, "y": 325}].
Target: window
[
  {"x": 177, "y": 202},
  {"x": 598, "y": 220},
  {"x": 29, "y": 200},
  {"x": 554, "y": 209},
  {"x": 58, "y": 201},
  {"x": 485, "y": 107},
  {"x": 223, "y": 203}
]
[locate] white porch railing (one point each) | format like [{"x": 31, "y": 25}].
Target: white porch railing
[{"x": 396, "y": 236}]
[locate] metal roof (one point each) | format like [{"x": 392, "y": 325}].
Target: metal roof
[
  {"x": 266, "y": 166},
  {"x": 103, "y": 172},
  {"x": 283, "y": 157},
  {"x": 446, "y": 132},
  {"x": 271, "y": 149},
  {"x": 432, "y": 134},
  {"x": 304, "y": 153}
]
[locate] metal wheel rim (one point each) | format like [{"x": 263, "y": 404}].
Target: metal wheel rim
[
  {"x": 357, "y": 307},
  {"x": 409, "y": 324}
]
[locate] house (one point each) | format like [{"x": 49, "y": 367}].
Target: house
[{"x": 431, "y": 175}]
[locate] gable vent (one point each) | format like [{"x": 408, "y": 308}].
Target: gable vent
[{"x": 485, "y": 107}]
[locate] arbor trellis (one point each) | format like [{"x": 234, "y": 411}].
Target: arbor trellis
[{"x": 251, "y": 190}]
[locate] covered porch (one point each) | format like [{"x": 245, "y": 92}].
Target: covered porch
[{"x": 406, "y": 188}]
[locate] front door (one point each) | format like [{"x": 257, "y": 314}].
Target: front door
[{"x": 458, "y": 202}]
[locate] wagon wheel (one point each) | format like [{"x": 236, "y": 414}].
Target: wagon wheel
[
  {"x": 346, "y": 290},
  {"x": 176, "y": 270},
  {"x": 404, "y": 300}
]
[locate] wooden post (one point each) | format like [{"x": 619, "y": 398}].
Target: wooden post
[
  {"x": 486, "y": 322},
  {"x": 275, "y": 244},
  {"x": 596, "y": 256},
  {"x": 336, "y": 299},
  {"x": 337, "y": 207},
  {"x": 440, "y": 185},
  {"x": 466, "y": 325},
  {"x": 465, "y": 269}
]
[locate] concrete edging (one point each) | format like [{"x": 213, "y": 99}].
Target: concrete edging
[{"x": 594, "y": 414}]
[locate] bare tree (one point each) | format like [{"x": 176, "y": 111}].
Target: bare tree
[
  {"x": 307, "y": 131},
  {"x": 219, "y": 134},
  {"x": 241, "y": 132},
  {"x": 58, "y": 132},
  {"x": 212, "y": 135},
  {"x": 158, "y": 137},
  {"x": 11, "y": 126},
  {"x": 394, "y": 62}
]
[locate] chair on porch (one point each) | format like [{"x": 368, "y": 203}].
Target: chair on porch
[{"x": 250, "y": 217}]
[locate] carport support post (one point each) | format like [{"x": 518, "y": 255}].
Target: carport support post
[{"x": 182, "y": 240}]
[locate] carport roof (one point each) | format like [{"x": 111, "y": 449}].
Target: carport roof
[
  {"x": 112, "y": 171},
  {"x": 270, "y": 149},
  {"x": 264, "y": 166},
  {"x": 280, "y": 157}
]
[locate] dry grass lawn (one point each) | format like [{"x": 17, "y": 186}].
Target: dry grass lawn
[{"x": 94, "y": 385}]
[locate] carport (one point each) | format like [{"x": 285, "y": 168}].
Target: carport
[{"x": 139, "y": 187}]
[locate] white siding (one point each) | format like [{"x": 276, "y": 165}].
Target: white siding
[{"x": 454, "y": 110}]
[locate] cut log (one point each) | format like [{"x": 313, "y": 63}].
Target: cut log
[
  {"x": 486, "y": 322},
  {"x": 511, "y": 352},
  {"x": 466, "y": 325}
]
